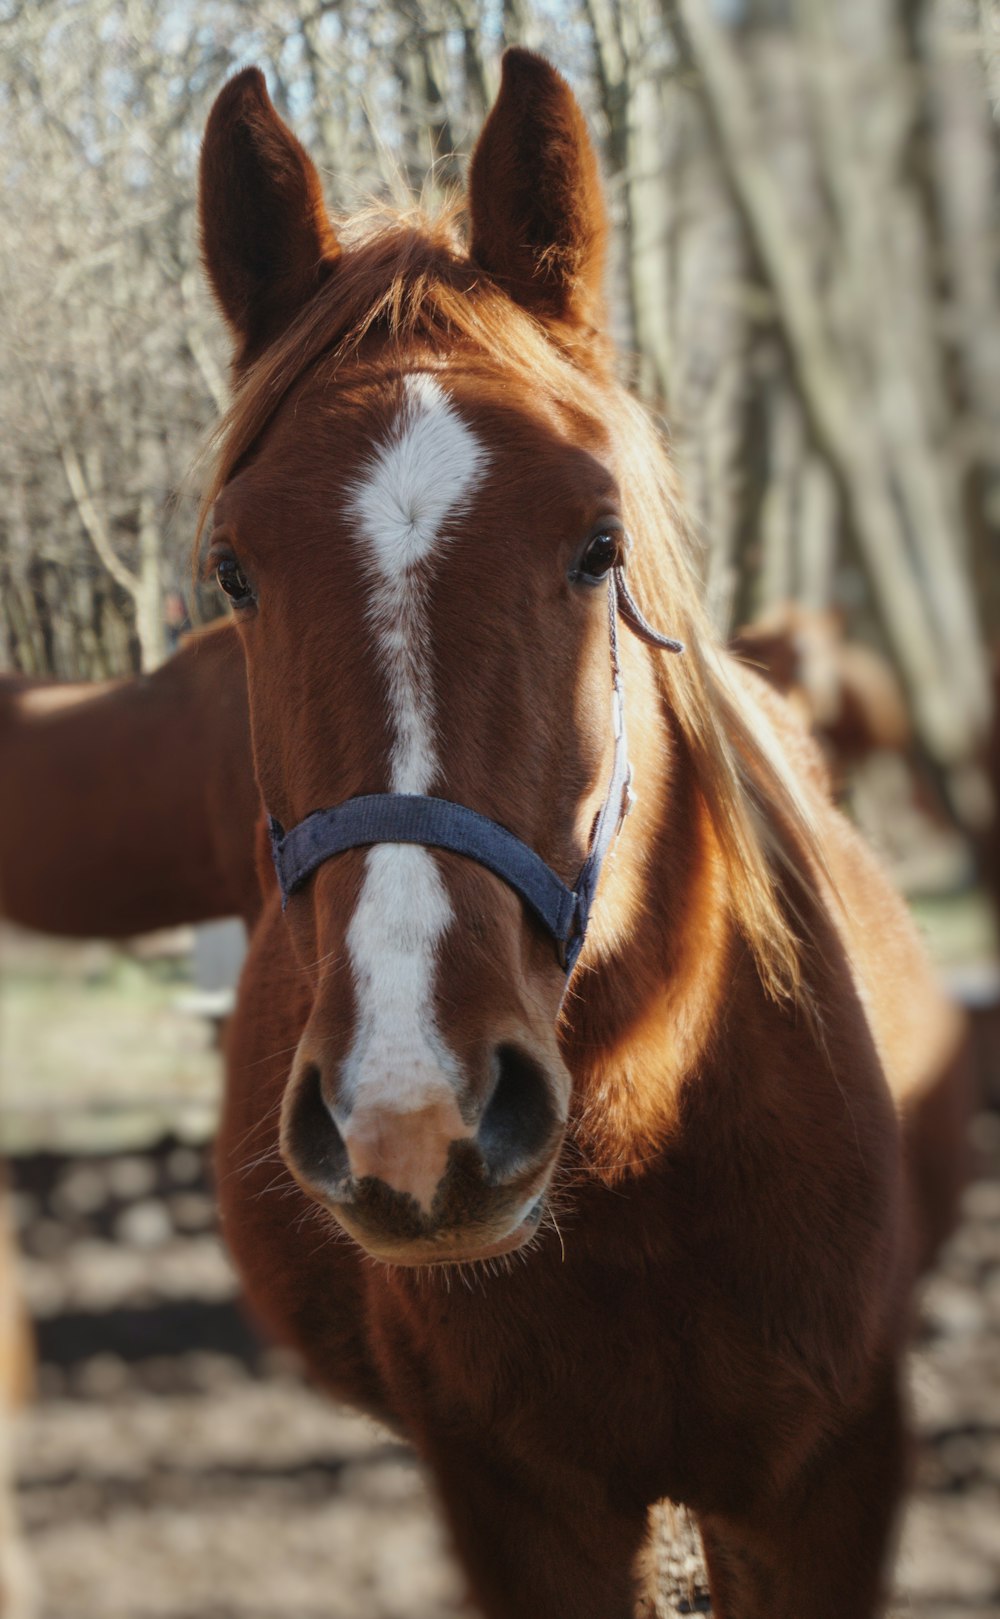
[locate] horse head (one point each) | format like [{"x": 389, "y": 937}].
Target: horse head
[{"x": 419, "y": 519}]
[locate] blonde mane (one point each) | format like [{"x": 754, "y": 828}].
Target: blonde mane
[{"x": 405, "y": 277}]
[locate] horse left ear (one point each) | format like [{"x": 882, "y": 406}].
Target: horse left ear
[
  {"x": 539, "y": 224},
  {"x": 267, "y": 242}
]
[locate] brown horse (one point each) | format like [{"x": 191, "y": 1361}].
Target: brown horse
[
  {"x": 649, "y": 1233},
  {"x": 130, "y": 804},
  {"x": 847, "y": 694},
  {"x": 124, "y": 806}
]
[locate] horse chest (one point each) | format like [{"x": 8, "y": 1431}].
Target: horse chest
[{"x": 605, "y": 1373}]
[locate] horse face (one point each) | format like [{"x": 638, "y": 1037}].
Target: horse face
[
  {"x": 418, "y": 557},
  {"x": 435, "y": 622}
]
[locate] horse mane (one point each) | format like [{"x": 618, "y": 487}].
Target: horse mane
[{"x": 405, "y": 276}]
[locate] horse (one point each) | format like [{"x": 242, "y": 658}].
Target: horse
[
  {"x": 125, "y": 805},
  {"x": 847, "y": 693},
  {"x": 573, "y": 1119},
  {"x": 129, "y": 805}
]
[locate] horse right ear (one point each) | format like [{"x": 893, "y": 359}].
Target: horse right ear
[{"x": 267, "y": 242}]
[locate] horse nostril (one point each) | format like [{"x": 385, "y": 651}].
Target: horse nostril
[
  {"x": 310, "y": 1137},
  {"x": 520, "y": 1117}
]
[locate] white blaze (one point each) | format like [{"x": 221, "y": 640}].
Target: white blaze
[{"x": 416, "y": 483}]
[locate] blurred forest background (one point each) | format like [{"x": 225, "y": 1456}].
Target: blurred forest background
[
  {"x": 806, "y": 289},
  {"x": 805, "y": 285}
]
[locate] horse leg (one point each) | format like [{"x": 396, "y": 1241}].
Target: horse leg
[
  {"x": 823, "y": 1549},
  {"x": 532, "y": 1554}
]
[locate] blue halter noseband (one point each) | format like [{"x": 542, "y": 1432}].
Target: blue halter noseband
[{"x": 439, "y": 824}]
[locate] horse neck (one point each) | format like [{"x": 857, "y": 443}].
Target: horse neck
[{"x": 660, "y": 964}]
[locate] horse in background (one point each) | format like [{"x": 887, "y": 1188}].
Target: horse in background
[
  {"x": 649, "y": 1233},
  {"x": 125, "y": 806},
  {"x": 846, "y": 694},
  {"x": 130, "y": 805}
]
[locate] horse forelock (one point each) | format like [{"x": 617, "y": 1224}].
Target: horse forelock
[
  {"x": 405, "y": 284},
  {"x": 406, "y": 296}
]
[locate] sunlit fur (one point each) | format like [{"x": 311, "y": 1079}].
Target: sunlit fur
[{"x": 743, "y": 1122}]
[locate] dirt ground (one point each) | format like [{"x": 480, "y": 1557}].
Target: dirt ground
[{"x": 173, "y": 1467}]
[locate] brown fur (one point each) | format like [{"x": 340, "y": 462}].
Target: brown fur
[
  {"x": 715, "y": 1307},
  {"x": 846, "y": 694},
  {"x": 552, "y": 261},
  {"x": 293, "y": 247},
  {"x": 129, "y": 805}
]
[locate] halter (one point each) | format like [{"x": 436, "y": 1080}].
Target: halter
[{"x": 437, "y": 823}]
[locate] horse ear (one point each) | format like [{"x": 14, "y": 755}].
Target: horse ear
[
  {"x": 267, "y": 243},
  {"x": 539, "y": 225}
]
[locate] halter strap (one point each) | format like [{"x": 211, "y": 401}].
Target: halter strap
[{"x": 438, "y": 823}]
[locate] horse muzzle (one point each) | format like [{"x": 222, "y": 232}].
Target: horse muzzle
[{"x": 442, "y": 1182}]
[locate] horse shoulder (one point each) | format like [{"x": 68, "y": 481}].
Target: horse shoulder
[{"x": 919, "y": 1035}]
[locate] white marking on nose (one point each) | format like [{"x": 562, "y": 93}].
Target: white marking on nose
[{"x": 416, "y": 483}]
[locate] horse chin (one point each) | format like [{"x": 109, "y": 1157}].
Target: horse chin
[{"x": 450, "y": 1249}]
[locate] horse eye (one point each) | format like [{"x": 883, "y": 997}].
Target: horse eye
[
  {"x": 233, "y": 581},
  {"x": 603, "y": 553}
]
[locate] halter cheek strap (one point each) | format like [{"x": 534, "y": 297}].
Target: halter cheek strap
[{"x": 437, "y": 823}]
